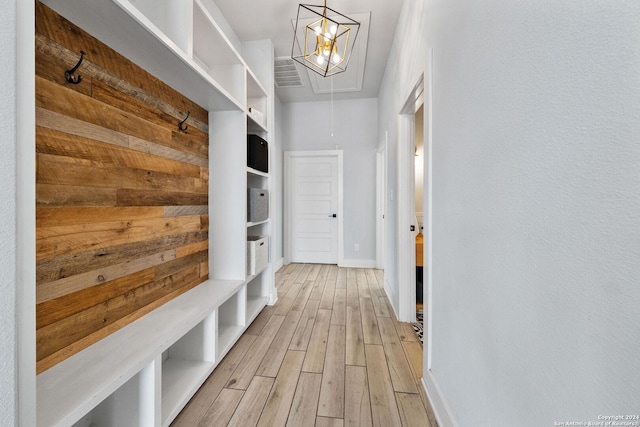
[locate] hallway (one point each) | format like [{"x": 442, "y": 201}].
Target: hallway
[{"x": 329, "y": 353}]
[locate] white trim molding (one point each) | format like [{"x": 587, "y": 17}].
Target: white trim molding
[
  {"x": 441, "y": 409},
  {"x": 358, "y": 263}
]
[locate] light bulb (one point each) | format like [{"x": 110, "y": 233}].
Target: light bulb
[
  {"x": 333, "y": 29},
  {"x": 336, "y": 58},
  {"x": 325, "y": 52},
  {"x": 327, "y": 36},
  {"x": 320, "y": 60},
  {"x": 318, "y": 30}
]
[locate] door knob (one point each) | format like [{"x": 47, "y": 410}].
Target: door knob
[{"x": 333, "y": 215}]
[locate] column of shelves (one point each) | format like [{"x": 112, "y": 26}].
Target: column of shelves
[{"x": 258, "y": 231}]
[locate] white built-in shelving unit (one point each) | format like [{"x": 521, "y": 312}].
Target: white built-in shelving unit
[{"x": 144, "y": 373}]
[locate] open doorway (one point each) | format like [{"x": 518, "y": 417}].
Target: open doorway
[
  {"x": 419, "y": 210},
  {"x": 410, "y": 170}
]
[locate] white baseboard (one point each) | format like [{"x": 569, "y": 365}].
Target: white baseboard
[
  {"x": 390, "y": 295},
  {"x": 358, "y": 263},
  {"x": 441, "y": 410}
]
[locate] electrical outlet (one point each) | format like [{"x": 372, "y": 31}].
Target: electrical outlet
[{"x": 356, "y": 247}]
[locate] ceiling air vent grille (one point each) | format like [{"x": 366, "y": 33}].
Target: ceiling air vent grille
[{"x": 286, "y": 73}]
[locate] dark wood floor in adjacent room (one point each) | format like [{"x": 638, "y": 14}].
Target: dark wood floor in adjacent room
[{"x": 329, "y": 353}]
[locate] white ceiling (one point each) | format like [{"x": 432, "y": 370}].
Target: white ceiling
[{"x": 272, "y": 19}]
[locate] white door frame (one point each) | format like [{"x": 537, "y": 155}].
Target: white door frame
[
  {"x": 381, "y": 202},
  {"x": 406, "y": 204},
  {"x": 288, "y": 236}
]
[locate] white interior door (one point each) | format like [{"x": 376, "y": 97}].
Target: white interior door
[{"x": 314, "y": 205}]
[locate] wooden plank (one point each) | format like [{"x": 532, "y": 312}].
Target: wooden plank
[
  {"x": 412, "y": 411},
  {"x": 59, "y": 308},
  {"x": 331, "y": 403},
  {"x": 353, "y": 298},
  {"x": 332, "y": 274},
  {"x": 413, "y": 352},
  {"x": 399, "y": 370},
  {"x": 305, "y": 401},
  {"x": 69, "y": 239},
  {"x": 50, "y": 290},
  {"x": 73, "y": 215},
  {"x": 357, "y": 406},
  {"x": 242, "y": 377},
  {"x": 302, "y": 334},
  {"x": 341, "y": 278},
  {"x": 329, "y": 422},
  {"x": 63, "y": 195},
  {"x": 326, "y": 303},
  {"x": 64, "y": 353},
  {"x": 369, "y": 322},
  {"x": 276, "y": 409},
  {"x": 355, "y": 339},
  {"x": 54, "y": 27},
  {"x": 222, "y": 409},
  {"x": 191, "y": 249},
  {"x": 363, "y": 284},
  {"x": 199, "y": 404},
  {"x": 46, "y": 119},
  {"x": 384, "y": 409},
  {"x": 170, "y": 211},
  {"x": 65, "y": 332},
  {"x": 51, "y": 269},
  {"x": 149, "y": 147},
  {"x": 58, "y": 170},
  {"x": 277, "y": 350},
  {"x": 314, "y": 360},
  {"x": 405, "y": 330},
  {"x": 320, "y": 283},
  {"x": 61, "y": 143},
  {"x": 132, "y": 197},
  {"x": 251, "y": 405},
  {"x": 376, "y": 287},
  {"x": 339, "y": 307}
]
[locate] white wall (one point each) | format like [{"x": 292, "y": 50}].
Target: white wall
[
  {"x": 307, "y": 126},
  {"x": 278, "y": 184},
  {"x": 17, "y": 215},
  {"x": 536, "y": 205},
  {"x": 8, "y": 325}
]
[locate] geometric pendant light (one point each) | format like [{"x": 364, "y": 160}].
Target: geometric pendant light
[{"x": 323, "y": 39}]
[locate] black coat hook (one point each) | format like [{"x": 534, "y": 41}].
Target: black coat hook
[
  {"x": 69, "y": 73},
  {"x": 181, "y": 125}
]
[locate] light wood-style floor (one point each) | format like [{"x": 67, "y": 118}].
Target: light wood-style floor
[{"x": 329, "y": 353}]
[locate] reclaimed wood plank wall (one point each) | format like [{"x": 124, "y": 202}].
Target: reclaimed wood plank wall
[{"x": 121, "y": 192}]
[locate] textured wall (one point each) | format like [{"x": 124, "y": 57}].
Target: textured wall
[{"x": 536, "y": 205}]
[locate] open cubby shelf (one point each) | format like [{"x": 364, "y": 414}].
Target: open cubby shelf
[{"x": 144, "y": 373}]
